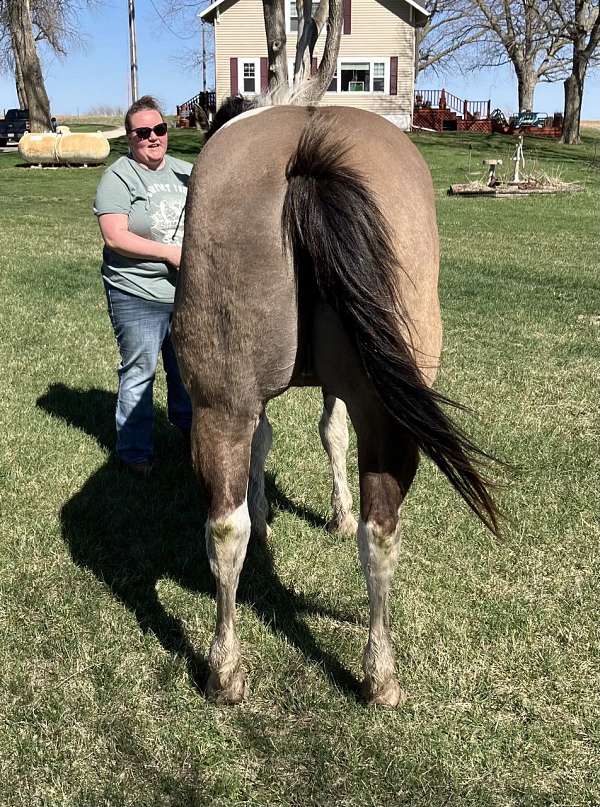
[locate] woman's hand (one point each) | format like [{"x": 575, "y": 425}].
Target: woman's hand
[
  {"x": 173, "y": 256},
  {"x": 116, "y": 235}
]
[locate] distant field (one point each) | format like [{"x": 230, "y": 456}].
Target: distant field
[
  {"x": 107, "y": 602},
  {"x": 101, "y": 120},
  {"x": 98, "y": 120}
]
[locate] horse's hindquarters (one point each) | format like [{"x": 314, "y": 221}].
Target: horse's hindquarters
[{"x": 236, "y": 323}]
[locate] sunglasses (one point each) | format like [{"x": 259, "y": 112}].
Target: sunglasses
[{"x": 144, "y": 132}]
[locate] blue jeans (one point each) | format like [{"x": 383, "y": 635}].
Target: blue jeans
[{"x": 142, "y": 328}]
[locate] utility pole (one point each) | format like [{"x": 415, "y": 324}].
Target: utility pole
[
  {"x": 133, "y": 52},
  {"x": 203, "y": 58}
]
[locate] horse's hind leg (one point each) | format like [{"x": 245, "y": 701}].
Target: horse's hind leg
[
  {"x": 257, "y": 501},
  {"x": 333, "y": 428},
  {"x": 387, "y": 464},
  {"x": 222, "y": 445}
]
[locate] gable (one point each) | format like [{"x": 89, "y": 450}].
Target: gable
[{"x": 399, "y": 7}]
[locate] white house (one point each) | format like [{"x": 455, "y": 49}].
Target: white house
[{"x": 375, "y": 67}]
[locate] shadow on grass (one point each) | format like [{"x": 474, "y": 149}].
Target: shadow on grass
[{"x": 131, "y": 533}]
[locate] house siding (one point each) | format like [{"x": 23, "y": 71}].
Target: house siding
[{"x": 380, "y": 28}]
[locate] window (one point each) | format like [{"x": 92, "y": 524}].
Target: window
[
  {"x": 360, "y": 75},
  {"x": 249, "y": 76},
  {"x": 293, "y": 14},
  {"x": 379, "y": 77},
  {"x": 355, "y": 77}
]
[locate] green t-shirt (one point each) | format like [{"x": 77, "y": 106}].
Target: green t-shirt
[{"x": 154, "y": 202}]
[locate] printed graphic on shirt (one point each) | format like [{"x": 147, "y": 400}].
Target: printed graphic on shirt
[{"x": 166, "y": 211}]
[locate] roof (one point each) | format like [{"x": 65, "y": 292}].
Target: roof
[{"x": 208, "y": 14}]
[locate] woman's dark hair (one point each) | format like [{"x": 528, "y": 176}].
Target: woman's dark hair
[{"x": 145, "y": 102}]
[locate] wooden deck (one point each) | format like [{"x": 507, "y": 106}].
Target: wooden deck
[{"x": 441, "y": 111}]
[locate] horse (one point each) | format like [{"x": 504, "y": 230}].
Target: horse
[{"x": 310, "y": 257}]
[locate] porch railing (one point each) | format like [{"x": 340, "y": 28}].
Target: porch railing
[
  {"x": 442, "y": 99},
  {"x": 205, "y": 100}
]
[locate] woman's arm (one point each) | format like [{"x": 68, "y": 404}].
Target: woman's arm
[{"x": 113, "y": 227}]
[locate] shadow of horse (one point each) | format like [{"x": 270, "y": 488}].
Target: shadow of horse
[{"x": 131, "y": 533}]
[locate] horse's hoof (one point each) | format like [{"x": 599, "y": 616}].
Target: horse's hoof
[
  {"x": 389, "y": 695},
  {"x": 230, "y": 692},
  {"x": 343, "y": 525}
]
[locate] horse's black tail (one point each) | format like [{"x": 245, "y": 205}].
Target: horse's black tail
[{"x": 332, "y": 221}]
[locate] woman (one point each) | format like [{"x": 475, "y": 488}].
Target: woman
[{"x": 140, "y": 207}]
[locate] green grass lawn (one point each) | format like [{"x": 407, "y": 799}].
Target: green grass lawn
[{"x": 107, "y": 603}]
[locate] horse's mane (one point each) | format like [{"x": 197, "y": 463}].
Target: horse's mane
[{"x": 231, "y": 107}]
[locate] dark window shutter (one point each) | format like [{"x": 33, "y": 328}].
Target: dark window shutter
[
  {"x": 233, "y": 75},
  {"x": 313, "y": 66},
  {"x": 394, "y": 75},
  {"x": 264, "y": 74},
  {"x": 347, "y": 15}
]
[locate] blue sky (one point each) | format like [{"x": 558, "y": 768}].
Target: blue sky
[{"x": 97, "y": 74}]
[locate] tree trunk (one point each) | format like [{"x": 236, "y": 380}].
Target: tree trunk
[
  {"x": 572, "y": 111},
  {"x": 420, "y": 34},
  {"x": 19, "y": 21},
  {"x": 586, "y": 40},
  {"x": 274, "y": 14},
  {"x": 19, "y": 86},
  {"x": 309, "y": 29},
  {"x": 526, "y": 80},
  {"x": 311, "y": 92}
]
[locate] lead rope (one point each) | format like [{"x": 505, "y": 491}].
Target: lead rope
[{"x": 178, "y": 223}]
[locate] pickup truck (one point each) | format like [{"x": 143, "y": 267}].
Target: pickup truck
[{"x": 14, "y": 125}]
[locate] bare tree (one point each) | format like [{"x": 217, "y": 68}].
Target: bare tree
[
  {"x": 19, "y": 82},
  {"x": 308, "y": 89},
  {"x": 581, "y": 21},
  {"x": 180, "y": 18},
  {"x": 527, "y": 34},
  {"x": 446, "y": 32},
  {"x": 52, "y": 21},
  {"x": 274, "y": 14},
  {"x": 309, "y": 30},
  {"x": 27, "y": 63},
  {"x": 56, "y": 22}
]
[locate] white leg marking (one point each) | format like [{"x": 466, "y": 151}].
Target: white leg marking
[
  {"x": 379, "y": 556},
  {"x": 333, "y": 428},
  {"x": 226, "y": 544}
]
